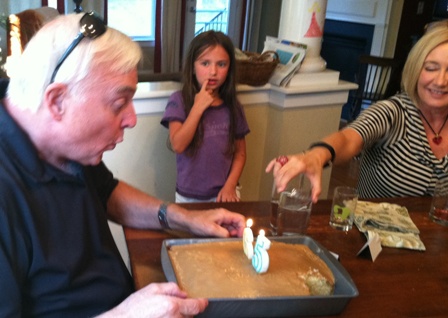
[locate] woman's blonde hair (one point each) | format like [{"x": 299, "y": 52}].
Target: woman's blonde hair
[{"x": 416, "y": 58}]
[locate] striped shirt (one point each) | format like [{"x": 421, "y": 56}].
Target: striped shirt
[{"x": 397, "y": 159}]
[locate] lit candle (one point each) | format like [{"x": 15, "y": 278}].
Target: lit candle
[
  {"x": 248, "y": 238},
  {"x": 260, "y": 261}
]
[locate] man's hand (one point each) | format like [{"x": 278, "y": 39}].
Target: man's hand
[
  {"x": 217, "y": 222},
  {"x": 158, "y": 300}
]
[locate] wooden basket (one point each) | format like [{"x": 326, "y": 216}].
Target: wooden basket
[{"x": 256, "y": 70}]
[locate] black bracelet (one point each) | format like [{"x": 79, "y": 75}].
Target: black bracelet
[
  {"x": 162, "y": 216},
  {"x": 326, "y": 146}
]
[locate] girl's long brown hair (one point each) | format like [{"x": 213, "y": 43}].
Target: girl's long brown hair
[{"x": 227, "y": 91}]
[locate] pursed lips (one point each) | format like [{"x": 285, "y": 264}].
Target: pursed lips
[{"x": 115, "y": 143}]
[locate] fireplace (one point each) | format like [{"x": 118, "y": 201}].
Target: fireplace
[
  {"x": 343, "y": 43},
  {"x": 352, "y": 28}
]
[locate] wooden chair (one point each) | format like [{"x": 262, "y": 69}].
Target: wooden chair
[{"x": 377, "y": 79}]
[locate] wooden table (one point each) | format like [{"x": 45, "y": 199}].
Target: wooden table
[{"x": 400, "y": 283}]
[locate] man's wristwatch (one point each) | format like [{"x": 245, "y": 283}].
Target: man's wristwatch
[{"x": 162, "y": 216}]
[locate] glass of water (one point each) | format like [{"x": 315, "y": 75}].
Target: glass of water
[{"x": 294, "y": 210}]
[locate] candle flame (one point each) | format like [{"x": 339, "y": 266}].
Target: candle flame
[{"x": 249, "y": 222}]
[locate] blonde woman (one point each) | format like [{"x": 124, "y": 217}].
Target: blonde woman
[{"x": 403, "y": 140}]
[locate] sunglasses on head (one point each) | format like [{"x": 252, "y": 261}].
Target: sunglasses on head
[{"x": 92, "y": 26}]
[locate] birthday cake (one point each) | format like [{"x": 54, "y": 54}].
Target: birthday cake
[{"x": 222, "y": 270}]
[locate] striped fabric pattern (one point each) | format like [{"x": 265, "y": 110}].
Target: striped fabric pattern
[{"x": 397, "y": 159}]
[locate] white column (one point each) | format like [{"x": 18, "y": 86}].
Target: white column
[{"x": 303, "y": 21}]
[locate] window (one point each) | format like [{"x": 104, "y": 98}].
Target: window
[
  {"x": 53, "y": 3},
  {"x": 135, "y": 18},
  {"x": 220, "y": 15},
  {"x": 211, "y": 15}
]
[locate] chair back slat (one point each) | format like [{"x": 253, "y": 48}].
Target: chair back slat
[{"x": 374, "y": 78}]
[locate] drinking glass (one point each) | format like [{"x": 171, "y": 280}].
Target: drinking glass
[
  {"x": 293, "y": 185},
  {"x": 439, "y": 207},
  {"x": 343, "y": 208},
  {"x": 294, "y": 209}
]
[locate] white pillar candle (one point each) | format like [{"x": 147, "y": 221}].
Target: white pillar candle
[
  {"x": 260, "y": 261},
  {"x": 248, "y": 238}
]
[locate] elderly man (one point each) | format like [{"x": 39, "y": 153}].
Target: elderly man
[{"x": 64, "y": 108}]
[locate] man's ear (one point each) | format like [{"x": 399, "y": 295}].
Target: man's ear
[{"x": 53, "y": 99}]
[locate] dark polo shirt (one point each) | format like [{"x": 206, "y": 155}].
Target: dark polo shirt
[{"x": 57, "y": 254}]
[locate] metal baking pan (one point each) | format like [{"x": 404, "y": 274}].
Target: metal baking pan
[{"x": 345, "y": 288}]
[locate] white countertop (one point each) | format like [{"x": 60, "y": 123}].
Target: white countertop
[
  {"x": 156, "y": 89},
  {"x": 151, "y": 97}
]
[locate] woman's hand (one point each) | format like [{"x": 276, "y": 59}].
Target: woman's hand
[
  {"x": 346, "y": 144},
  {"x": 307, "y": 163}
]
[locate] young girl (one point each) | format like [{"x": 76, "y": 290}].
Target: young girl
[{"x": 207, "y": 125}]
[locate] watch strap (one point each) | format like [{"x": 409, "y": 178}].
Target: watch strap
[
  {"x": 326, "y": 146},
  {"x": 162, "y": 215}
]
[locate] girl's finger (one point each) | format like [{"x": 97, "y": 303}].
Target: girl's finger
[{"x": 204, "y": 85}]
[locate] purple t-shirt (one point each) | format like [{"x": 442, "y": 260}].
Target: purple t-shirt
[{"x": 201, "y": 176}]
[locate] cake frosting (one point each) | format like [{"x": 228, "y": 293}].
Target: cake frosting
[{"x": 222, "y": 270}]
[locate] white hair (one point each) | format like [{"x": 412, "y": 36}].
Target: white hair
[{"x": 113, "y": 50}]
